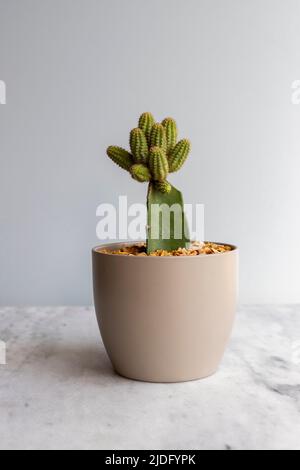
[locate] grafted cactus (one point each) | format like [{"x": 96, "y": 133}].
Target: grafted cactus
[
  {"x": 171, "y": 133},
  {"x": 146, "y": 122},
  {"x": 140, "y": 173},
  {"x": 158, "y": 136},
  {"x": 154, "y": 154},
  {"x": 139, "y": 145},
  {"x": 158, "y": 164},
  {"x": 179, "y": 155}
]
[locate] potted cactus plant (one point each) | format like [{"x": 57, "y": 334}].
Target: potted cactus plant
[{"x": 165, "y": 308}]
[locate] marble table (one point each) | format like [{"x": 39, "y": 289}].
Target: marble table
[{"x": 58, "y": 391}]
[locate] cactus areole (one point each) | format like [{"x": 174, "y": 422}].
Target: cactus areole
[{"x": 154, "y": 154}]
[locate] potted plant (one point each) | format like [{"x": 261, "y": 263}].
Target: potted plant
[{"x": 165, "y": 308}]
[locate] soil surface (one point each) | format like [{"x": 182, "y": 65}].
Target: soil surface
[{"x": 196, "y": 249}]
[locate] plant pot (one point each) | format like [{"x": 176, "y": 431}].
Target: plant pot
[{"x": 165, "y": 319}]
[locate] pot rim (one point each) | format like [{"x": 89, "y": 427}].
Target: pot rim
[{"x": 96, "y": 249}]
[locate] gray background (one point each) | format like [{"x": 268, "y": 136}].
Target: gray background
[{"x": 78, "y": 74}]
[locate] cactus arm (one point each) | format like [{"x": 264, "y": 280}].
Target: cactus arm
[
  {"x": 171, "y": 133},
  {"x": 140, "y": 173},
  {"x": 158, "y": 164},
  {"x": 146, "y": 122},
  {"x": 178, "y": 155},
  {"x": 158, "y": 137},
  {"x": 138, "y": 145},
  {"x": 156, "y": 236},
  {"x": 121, "y": 157}
]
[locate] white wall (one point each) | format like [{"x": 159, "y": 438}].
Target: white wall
[{"x": 78, "y": 74}]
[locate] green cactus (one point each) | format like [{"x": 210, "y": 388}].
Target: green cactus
[
  {"x": 171, "y": 133},
  {"x": 178, "y": 155},
  {"x": 158, "y": 137},
  {"x": 157, "y": 239},
  {"x": 146, "y": 122},
  {"x": 163, "y": 186},
  {"x": 158, "y": 164},
  {"x": 154, "y": 155},
  {"x": 120, "y": 156},
  {"x": 138, "y": 145},
  {"x": 140, "y": 173}
]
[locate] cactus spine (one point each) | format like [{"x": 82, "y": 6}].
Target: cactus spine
[
  {"x": 158, "y": 164},
  {"x": 146, "y": 122},
  {"x": 178, "y": 155},
  {"x": 138, "y": 145},
  {"x": 171, "y": 133},
  {"x": 120, "y": 156},
  {"x": 140, "y": 173},
  {"x": 158, "y": 137}
]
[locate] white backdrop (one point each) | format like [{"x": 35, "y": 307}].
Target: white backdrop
[{"x": 78, "y": 74}]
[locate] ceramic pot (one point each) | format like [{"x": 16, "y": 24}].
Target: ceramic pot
[{"x": 165, "y": 319}]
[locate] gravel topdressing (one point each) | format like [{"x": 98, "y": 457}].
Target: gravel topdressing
[{"x": 196, "y": 249}]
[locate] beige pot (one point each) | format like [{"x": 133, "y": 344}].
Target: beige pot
[{"x": 165, "y": 319}]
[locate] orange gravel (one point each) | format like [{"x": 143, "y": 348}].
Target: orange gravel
[{"x": 195, "y": 249}]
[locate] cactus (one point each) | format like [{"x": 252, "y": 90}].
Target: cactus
[
  {"x": 155, "y": 154},
  {"x": 140, "y": 173},
  {"x": 139, "y": 145},
  {"x": 179, "y": 155},
  {"x": 157, "y": 239},
  {"x": 120, "y": 156},
  {"x": 171, "y": 133},
  {"x": 163, "y": 186},
  {"x": 158, "y": 136},
  {"x": 158, "y": 164},
  {"x": 146, "y": 122}
]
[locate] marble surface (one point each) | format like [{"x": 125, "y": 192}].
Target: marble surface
[{"x": 58, "y": 391}]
